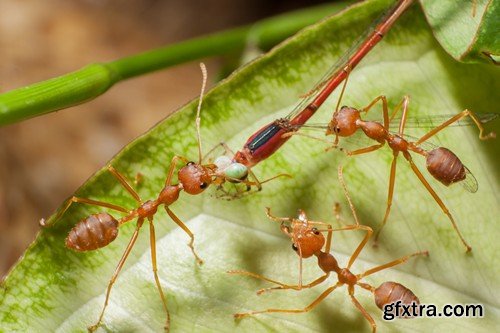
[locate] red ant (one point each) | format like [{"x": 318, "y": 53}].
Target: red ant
[
  {"x": 308, "y": 240},
  {"x": 442, "y": 163},
  {"x": 98, "y": 230}
]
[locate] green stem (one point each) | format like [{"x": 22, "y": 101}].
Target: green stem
[{"x": 95, "y": 79}]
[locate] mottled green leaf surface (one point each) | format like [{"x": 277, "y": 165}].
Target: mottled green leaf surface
[
  {"x": 54, "y": 289},
  {"x": 467, "y": 30}
]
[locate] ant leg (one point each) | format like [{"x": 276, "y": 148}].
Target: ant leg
[
  {"x": 361, "y": 245},
  {"x": 390, "y": 193},
  {"x": 282, "y": 286},
  {"x": 362, "y": 150},
  {"x": 124, "y": 183},
  {"x": 392, "y": 180},
  {"x": 187, "y": 231},
  {"x": 340, "y": 174},
  {"x": 259, "y": 183},
  {"x": 173, "y": 164},
  {"x": 384, "y": 108},
  {"x": 391, "y": 264},
  {"x": 73, "y": 199},
  {"x": 436, "y": 198},
  {"x": 288, "y": 134},
  {"x": 152, "y": 243},
  {"x": 398, "y": 107},
  {"x": 405, "y": 102},
  {"x": 366, "y": 286},
  {"x": 222, "y": 193},
  {"x": 286, "y": 175},
  {"x": 256, "y": 276},
  {"x": 329, "y": 236},
  {"x": 256, "y": 182},
  {"x": 362, "y": 310},
  {"x": 318, "y": 300},
  {"x": 301, "y": 258},
  {"x": 358, "y": 225},
  {"x": 119, "y": 267},
  {"x": 239, "y": 193},
  {"x": 303, "y": 286},
  {"x": 456, "y": 118},
  {"x": 277, "y": 219}
]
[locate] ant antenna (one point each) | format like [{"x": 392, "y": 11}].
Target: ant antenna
[
  {"x": 347, "y": 69},
  {"x": 198, "y": 119},
  {"x": 346, "y": 193}
]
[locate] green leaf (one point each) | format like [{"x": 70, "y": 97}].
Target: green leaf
[
  {"x": 468, "y": 31},
  {"x": 55, "y": 289}
]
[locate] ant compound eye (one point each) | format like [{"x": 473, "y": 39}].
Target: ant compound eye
[
  {"x": 190, "y": 163},
  {"x": 315, "y": 231},
  {"x": 203, "y": 185},
  {"x": 337, "y": 129},
  {"x": 344, "y": 107},
  {"x": 294, "y": 247}
]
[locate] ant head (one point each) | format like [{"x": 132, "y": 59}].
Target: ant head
[
  {"x": 344, "y": 122},
  {"x": 310, "y": 242},
  {"x": 194, "y": 178}
]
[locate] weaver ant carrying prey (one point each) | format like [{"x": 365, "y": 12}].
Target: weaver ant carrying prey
[{"x": 98, "y": 230}]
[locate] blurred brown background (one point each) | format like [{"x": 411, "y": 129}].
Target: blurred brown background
[{"x": 44, "y": 160}]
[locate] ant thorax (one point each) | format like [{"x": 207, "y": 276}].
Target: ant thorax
[{"x": 373, "y": 130}]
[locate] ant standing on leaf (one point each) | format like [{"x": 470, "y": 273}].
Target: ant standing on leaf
[
  {"x": 442, "y": 163},
  {"x": 98, "y": 230},
  {"x": 308, "y": 240}
]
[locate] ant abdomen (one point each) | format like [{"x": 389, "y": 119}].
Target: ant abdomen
[
  {"x": 445, "y": 166},
  {"x": 392, "y": 292},
  {"x": 94, "y": 232}
]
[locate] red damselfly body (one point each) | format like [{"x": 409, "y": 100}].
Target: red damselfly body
[{"x": 269, "y": 138}]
